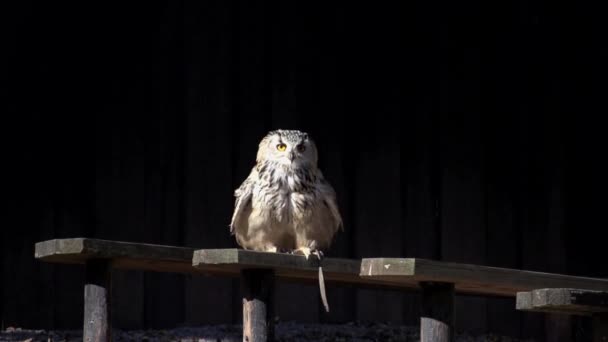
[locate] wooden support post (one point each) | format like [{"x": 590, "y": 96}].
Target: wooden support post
[
  {"x": 97, "y": 294},
  {"x": 437, "y": 312},
  {"x": 600, "y": 327},
  {"x": 257, "y": 286}
]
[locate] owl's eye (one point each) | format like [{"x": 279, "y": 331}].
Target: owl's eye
[
  {"x": 301, "y": 148},
  {"x": 281, "y": 147}
]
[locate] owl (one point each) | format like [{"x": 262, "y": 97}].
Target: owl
[{"x": 285, "y": 204}]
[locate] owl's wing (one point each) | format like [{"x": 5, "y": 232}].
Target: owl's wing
[
  {"x": 242, "y": 205},
  {"x": 329, "y": 199}
]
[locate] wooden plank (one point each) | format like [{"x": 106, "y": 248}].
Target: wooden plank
[
  {"x": 473, "y": 279},
  {"x": 287, "y": 266},
  {"x": 437, "y": 312},
  {"x": 210, "y": 262},
  {"x": 124, "y": 255},
  {"x": 97, "y": 300},
  {"x": 257, "y": 288},
  {"x": 569, "y": 301},
  {"x": 382, "y": 272}
]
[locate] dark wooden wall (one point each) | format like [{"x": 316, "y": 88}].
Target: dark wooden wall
[{"x": 450, "y": 130}]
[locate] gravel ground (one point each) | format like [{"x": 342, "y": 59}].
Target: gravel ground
[{"x": 351, "y": 332}]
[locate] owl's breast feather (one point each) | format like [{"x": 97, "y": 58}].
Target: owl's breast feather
[{"x": 286, "y": 196}]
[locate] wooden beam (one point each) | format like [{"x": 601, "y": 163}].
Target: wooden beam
[
  {"x": 437, "y": 312},
  {"x": 472, "y": 279},
  {"x": 257, "y": 288},
  {"x": 397, "y": 273},
  {"x": 123, "y": 255},
  {"x": 570, "y": 301},
  {"x": 212, "y": 262},
  {"x": 286, "y": 266},
  {"x": 97, "y": 301}
]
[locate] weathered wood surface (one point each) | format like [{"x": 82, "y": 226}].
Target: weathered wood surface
[
  {"x": 257, "y": 288},
  {"x": 437, "y": 312},
  {"x": 473, "y": 279},
  {"x": 123, "y": 255},
  {"x": 97, "y": 298},
  {"x": 231, "y": 261},
  {"x": 210, "y": 262},
  {"x": 569, "y": 301}
]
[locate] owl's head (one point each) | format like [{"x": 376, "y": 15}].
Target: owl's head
[{"x": 288, "y": 147}]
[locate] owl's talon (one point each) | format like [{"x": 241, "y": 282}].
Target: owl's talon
[{"x": 303, "y": 250}]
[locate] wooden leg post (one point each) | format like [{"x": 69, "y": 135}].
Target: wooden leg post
[
  {"x": 600, "y": 327},
  {"x": 437, "y": 312},
  {"x": 97, "y": 302},
  {"x": 257, "y": 287}
]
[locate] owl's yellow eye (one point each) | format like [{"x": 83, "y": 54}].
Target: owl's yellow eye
[{"x": 281, "y": 147}]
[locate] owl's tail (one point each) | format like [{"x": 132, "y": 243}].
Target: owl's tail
[{"x": 322, "y": 289}]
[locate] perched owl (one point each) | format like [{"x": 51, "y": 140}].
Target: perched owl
[{"x": 285, "y": 204}]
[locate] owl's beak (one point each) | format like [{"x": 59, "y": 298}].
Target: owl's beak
[{"x": 292, "y": 156}]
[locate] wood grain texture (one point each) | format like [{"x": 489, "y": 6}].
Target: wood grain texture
[
  {"x": 257, "y": 288},
  {"x": 210, "y": 262},
  {"x": 124, "y": 255},
  {"x": 229, "y": 262},
  {"x": 437, "y": 312},
  {"x": 568, "y": 301},
  {"x": 473, "y": 279},
  {"x": 97, "y": 301}
]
